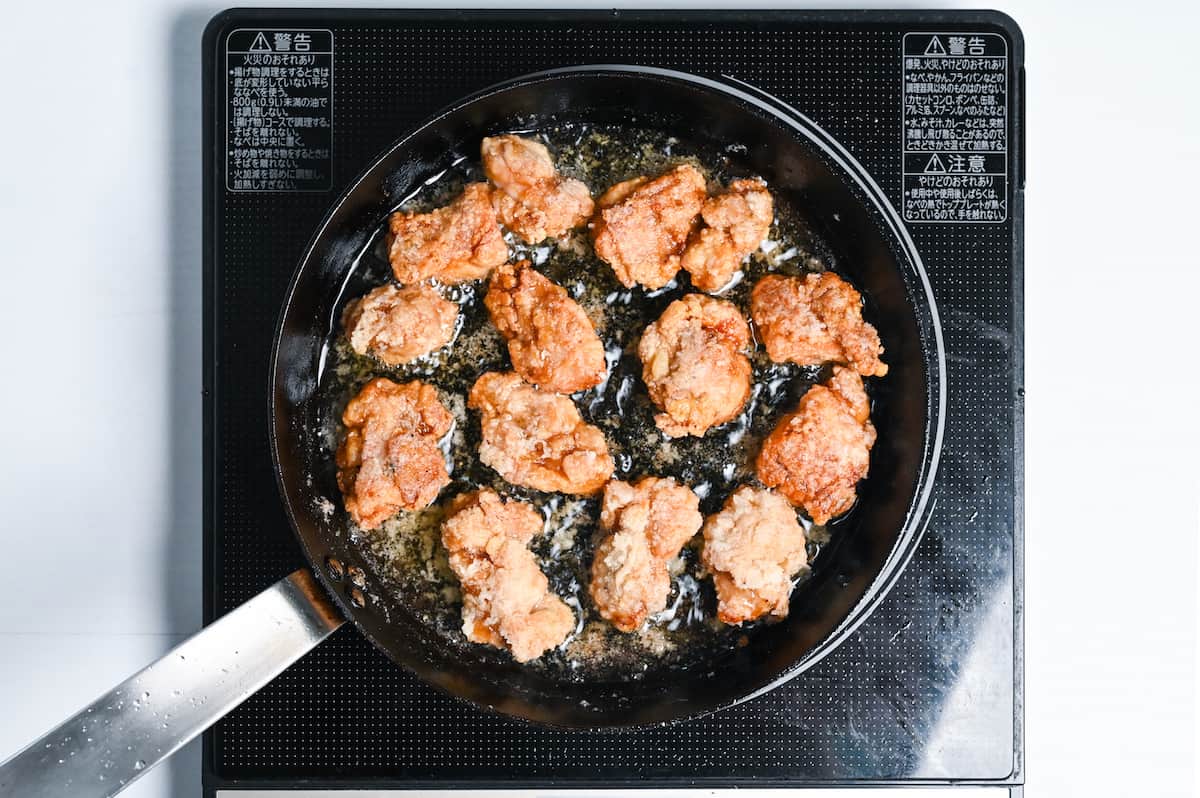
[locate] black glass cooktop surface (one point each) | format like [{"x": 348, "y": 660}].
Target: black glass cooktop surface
[{"x": 928, "y": 689}]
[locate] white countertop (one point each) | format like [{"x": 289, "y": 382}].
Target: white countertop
[{"x": 100, "y": 339}]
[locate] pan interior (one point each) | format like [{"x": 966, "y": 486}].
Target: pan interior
[
  {"x": 406, "y": 552},
  {"x": 686, "y": 662}
]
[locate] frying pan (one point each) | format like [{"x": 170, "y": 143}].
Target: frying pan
[{"x": 126, "y": 731}]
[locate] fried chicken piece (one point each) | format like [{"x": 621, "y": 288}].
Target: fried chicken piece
[
  {"x": 628, "y": 582},
  {"x": 534, "y": 201},
  {"x": 507, "y": 601},
  {"x": 550, "y": 339},
  {"x": 694, "y": 364},
  {"x": 736, "y": 222},
  {"x": 666, "y": 513},
  {"x": 538, "y": 439},
  {"x": 643, "y": 225},
  {"x": 389, "y": 459},
  {"x": 646, "y": 524},
  {"x": 454, "y": 244},
  {"x": 816, "y": 455},
  {"x": 399, "y": 325},
  {"x": 753, "y": 547},
  {"x": 815, "y": 319}
]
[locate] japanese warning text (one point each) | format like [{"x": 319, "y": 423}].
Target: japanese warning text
[
  {"x": 279, "y": 110},
  {"x": 955, "y": 122}
]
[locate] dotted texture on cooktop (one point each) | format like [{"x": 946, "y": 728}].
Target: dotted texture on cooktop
[{"x": 894, "y": 702}]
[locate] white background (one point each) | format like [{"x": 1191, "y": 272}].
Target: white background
[{"x": 100, "y": 350}]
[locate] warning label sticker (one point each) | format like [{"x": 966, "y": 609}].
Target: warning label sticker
[
  {"x": 955, "y": 123},
  {"x": 279, "y": 110}
]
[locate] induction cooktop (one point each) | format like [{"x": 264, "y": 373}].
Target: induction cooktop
[{"x": 928, "y": 690}]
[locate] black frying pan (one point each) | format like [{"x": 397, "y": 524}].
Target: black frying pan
[
  {"x": 804, "y": 166},
  {"x": 799, "y": 162}
]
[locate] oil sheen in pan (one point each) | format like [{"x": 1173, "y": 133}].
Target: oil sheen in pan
[{"x": 407, "y": 553}]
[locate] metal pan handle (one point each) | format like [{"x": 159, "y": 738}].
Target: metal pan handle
[{"x": 108, "y": 744}]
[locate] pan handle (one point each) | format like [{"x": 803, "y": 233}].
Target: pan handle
[{"x": 105, "y": 746}]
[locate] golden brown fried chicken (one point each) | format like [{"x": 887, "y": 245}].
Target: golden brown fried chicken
[
  {"x": 735, "y": 223},
  {"x": 507, "y": 601},
  {"x": 399, "y": 325},
  {"x": 389, "y": 459},
  {"x": 666, "y": 513},
  {"x": 550, "y": 339},
  {"x": 816, "y": 455},
  {"x": 533, "y": 200},
  {"x": 815, "y": 319},
  {"x": 694, "y": 364},
  {"x": 628, "y": 582},
  {"x": 646, "y": 524},
  {"x": 459, "y": 242},
  {"x": 753, "y": 547},
  {"x": 643, "y": 225},
  {"x": 538, "y": 439}
]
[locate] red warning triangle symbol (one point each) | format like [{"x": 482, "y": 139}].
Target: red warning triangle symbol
[
  {"x": 934, "y": 48},
  {"x": 260, "y": 44}
]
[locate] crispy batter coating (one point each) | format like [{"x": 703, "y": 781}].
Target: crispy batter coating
[
  {"x": 628, "y": 582},
  {"x": 399, "y": 325},
  {"x": 815, "y": 319},
  {"x": 507, "y": 601},
  {"x": 538, "y": 439},
  {"x": 643, "y": 225},
  {"x": 389, "y": 459},
  {"x": 735, "y": 223},
  {"x": 666, "y": 513},
  {"x": 459, "y": 242},
  {"x": 753, "y": 547},
  {"x": 534, "y": 201},
  {"x": 551, "y": 340},
  {"x": 646, "y": 524},
  {"x": 694, "y": 364},
  {"x": 816, "y": 455}
]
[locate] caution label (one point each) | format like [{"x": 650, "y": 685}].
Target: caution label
[
  {"x": 955, "y": 127},
  {"x": 279, "y": 110}
]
